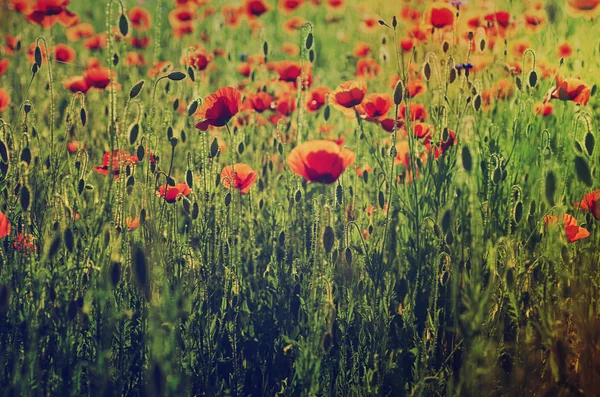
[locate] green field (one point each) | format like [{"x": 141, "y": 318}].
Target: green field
[{"x": 299, "y": 198}]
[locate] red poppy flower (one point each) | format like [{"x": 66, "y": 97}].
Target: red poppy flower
[
  {"x": 140, "y": 41},
  {"x": 290, "y": 49},
  {"x": 243, "y": 177},
  {"x": 367, "y": 68},
  {"x": 288, "y": 6},
  {"x": 181, "y": 19},
  {"x": 445, "y": 145},
  {"x": 232, "y": 15},
  {"x": 573, "y": 231},
  {"x": 72, "y": 146},
  {"x": 290, "y": 71},
  {"x": 255, "y": 8},
  {"x": 63, "y": 53},
  {"x": 571, "y": 89},
  {"x": 408, "y": 13},
  {"x": 320, "y": 161},
  {"x": 414, "y": 88},
  {"x": 583, "y": 8},
  {"x": 98, "y": 77},
  {"x": 118, "y": 157},
  {"x": 96, "y": 41},
  {"x": 376, "y": 106},
  {"x": 439, "y": 15},
  {"x": 79, "y": 31},
  {"x": 4, "y": 100},
  {"x": 173, "y": 193},
  {"x": 132, "y": 223},
  {"x": 388, "y": 124},
  {"x": 140, "y": 19},
  {"x": 4, "y": 65},
  {"x": 407, "y": 44},
  {"x": 316, "y": 98},
  {"x": 4, "y": 225},
  {"x": 369, "y": 23},
  {"x": 12, "y": 43},
  {"x": 218, "y": 108},
  {"x": 76, "y": 83},
  {"x": 258, "y": 102},
  {"x": 135, "y": 59},
  {"x": 285, "y": 103},
  {"x": 293, "y": 24},
  {"x": 534, "y": 20},
  {"x": 197, "y": 58},
  {"x": 564, "y": 50},
  {"x": 416, "y": 111},
  {"x": 348, "y": 95},
  {"x": 591, "y": 203},
  {"x": 362, "y": 49},
  {"x": 160, "y": 69},
  {"x": 46, "y": 13},
  {"x": 543, "y": 109},
  {"x": 502, "y": 18}
]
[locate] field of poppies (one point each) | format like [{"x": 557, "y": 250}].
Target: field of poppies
[{"x": 299, "y": 198}]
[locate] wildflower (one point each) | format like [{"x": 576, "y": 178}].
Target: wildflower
[
  {"x": 64, "y": 53},
  {"x": 534, "y": 20},
  {"x": 414, "y": 88},
  {"x": 47, "y": 13},
  {"x": 320, "y": 161},
  {"x": 367, "y": 68},
  {"x": 173, "y": 193},
  {"x": 118, "y": 157},
  {"x": 407, "y": 44},
  {"x": 140, "y": 19},
  {"x": 243, "y": 177},
  {"x": 348, "y": 95},
  {"x": 591, "y": 203},
  {"x": 132, "y": 223},
  {"x": 218, "y": 108},
  {"x": 255, "y": 8},
  {"x": 416, "y": 111},
  {"x": 258, "y": 102},
  {"x": 197, "y": 58},
  {"x": 583, "y": 8},
  {"x": 564, "y": 50},
  {"x": 79, "y": 31},
  {"x": 570, "y": 89},
  {"x": 4, "y": 65},
  {"x": 4, "y": 100},
  {"x": 4, "y": 225},
  {"x": 316, "y": 98},
  {"x": 135, "y": 59},
  {"x": 573, "y": 231},
  {"x": 543, "y": 109},
  {"x": 232, "y": 15},
  {"x": 362, "y": 49},
  {"x": 376, "y": 106},
  {"x": 98, "y": 77},
  {"x": 76, "y": 84},
  {"x": 439, "y": 15},
  {"x": 293, "y": 24},
  {"x": 96, "y": 41},
  {"x": 290, "y": 49},
  {"x": 288, "y": 6}
]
